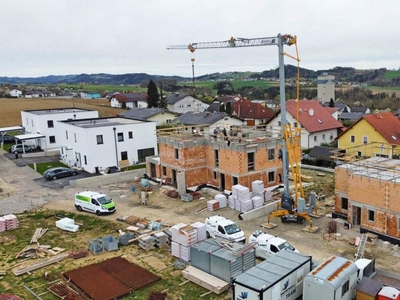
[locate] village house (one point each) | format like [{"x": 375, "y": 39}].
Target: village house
[
  {"x": 252, "y": 113},
  {"x": 15, "y": 93},
  {"x": 131, "y": 100},
  {"x": 42, "y": 126},
  {"x": 159, "y": 115},
  {"x": 90, "y": 95},
  {"x": 219, "y": 101},
  {"x": 96, "y": 144},
  {"x": 183, "y": 103},
  {"x": 317, "y": 124}
]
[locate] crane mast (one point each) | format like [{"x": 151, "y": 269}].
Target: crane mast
[{"x": 280, "y": 41}]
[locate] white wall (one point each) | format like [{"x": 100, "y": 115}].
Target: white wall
[
  {"x": 37, "y": 123},
  {"x": 188, "y": 104},
  {"x": 162, "y": 118},
  {"x": 109, "y": 153},
  {"x": 15, "y": 93},
  {"x": 114, "y": 103}
]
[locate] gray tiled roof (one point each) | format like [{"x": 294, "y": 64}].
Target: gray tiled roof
[
  {"x": 173, "y": 98},
  {"x": 350, "y": 116},
  {"x": 191, "y": 118},
  {"x": 142, "y": 113}
]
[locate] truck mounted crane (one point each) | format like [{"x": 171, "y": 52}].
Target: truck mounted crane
[{"x": 288, "y": 210}]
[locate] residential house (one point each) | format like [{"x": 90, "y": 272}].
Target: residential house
[
  {"x": 340, "y": 106},
  {"x": 98, "y": 143},
  {"x": 252, "y": 113},
  {"x": 271, "y": 104},
  {"x": 372, "y": 135},
  {"x": 361, "y": 109},
  {"x": 206, "y": 122},
  {"x": 39, "y": 94},
  {"x": 367, "y": 195},
  {"x": 159, "y": 115},
  {"x": 221, "y": 100},
  {"x": 334, "y": 111},
  {"x": 45, "y": 122},
  {"x": 90, "y": 95},
  {"x": 131, "y": 100},
  {"x": 183, "y": 103},
  {"x": 317, "y": 124},
  {"x": 350, "y": 117},
  {"x": 15, "y": 93},
  {"x": 187, "y": 160},
  {"x": 66, "y": 95},
  {"x": 325, "y": 88}
]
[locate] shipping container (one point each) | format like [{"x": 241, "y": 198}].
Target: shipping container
[
  {"x": 200, "y": 254},
  {"x": 278, "y": 277},
  {"x": 334, "y": 279}
]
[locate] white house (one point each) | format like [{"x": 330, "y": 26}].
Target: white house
[
  {"x": 45, "y": 122},
  {"x": 15, "y": 93},
  {"x": 131, "y": 100},
  {"x": 317, "y": 124},
  {"x": 183, "y": 103},
  {"x": 98, "y": 143}
]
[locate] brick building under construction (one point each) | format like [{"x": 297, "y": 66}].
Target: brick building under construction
[{"x": 188, "y": 160}]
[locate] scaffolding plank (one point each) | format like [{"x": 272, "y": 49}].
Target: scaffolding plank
[{"x": 205, "y": 280}]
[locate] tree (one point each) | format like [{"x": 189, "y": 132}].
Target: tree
[
  {"x": 163, "y": 98},
  {"x": 152, "y": 95},
  {"x": 228, "y": 109},
  {"x": 331, "y": 103},
  {"x": 224, "y": 88}
]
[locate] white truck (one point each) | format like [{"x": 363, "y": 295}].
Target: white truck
[
  {"x": 225, "y": 228},
  {"x": 267, "y": 245}
]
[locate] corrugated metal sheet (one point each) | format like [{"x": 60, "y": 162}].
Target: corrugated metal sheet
[
  {"x": 200, "y": 254},
  {"x": 224, "y": 265}
]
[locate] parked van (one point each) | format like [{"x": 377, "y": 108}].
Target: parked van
[
  {"x": 225, "y": 228},
  {"x": 94, "y": 202},
  {"x": 267, "y": 245}
]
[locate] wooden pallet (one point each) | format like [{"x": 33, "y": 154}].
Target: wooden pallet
[{"x": 205, "y": 280}]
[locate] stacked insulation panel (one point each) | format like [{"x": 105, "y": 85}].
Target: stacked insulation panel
[
  {"x": 231, "y": 202},
  {"x": 257, "y": 186},
  {"x": 11, "y": 222},
  {"x": 212, "y": 205},
  {"x": 147, "y": 243},
  {"x": 183, "y": 236},
  {"x": 160, "y": 239},
  {"x": 242, "y": 197},
  {"x": 221, "y": 198},
  {"x": 201, "y": 231},
  {"x": 257, "y": 201}
]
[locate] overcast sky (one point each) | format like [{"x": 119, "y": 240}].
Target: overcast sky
[{"x": 59, "y": 37}]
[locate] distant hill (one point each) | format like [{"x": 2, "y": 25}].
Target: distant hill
[{"x": 347, "y": 74}]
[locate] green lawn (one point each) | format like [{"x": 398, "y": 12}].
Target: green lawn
[
  {"x": 41, "y": 167},
  {"x": 236, "y": 84},
  {"x": 104, "y": 88},
  {"x": 392, "y": 74}
]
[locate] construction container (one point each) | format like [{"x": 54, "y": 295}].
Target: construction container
[
  {"x": 110, "y": 243},
  {"x": 200, "y": 254},
  {"x": 368, "y": 289},
  {"x": 280, "y": 276},
  {"x": 389, "y": 293},
  {"x": 226, "y": 263},
  {"x": 95, "y": 246},
  {"x": 334, "y": 279}
]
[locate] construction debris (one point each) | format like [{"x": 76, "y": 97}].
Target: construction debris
[
  {"x": 40, "y": 264},
  {"x": 78, "y": 254},
  {"x": 8, "y": 296},
  {"x": 63, "y": 291},
  {"x": 268, "y": 225},
  {"x": 34, "y": 251},
  {"x": 39, "y": 232},
  {"x": 6, "y": 239}
]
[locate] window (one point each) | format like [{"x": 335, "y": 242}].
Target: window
[
  {"x": 345, "y": 288},
  {"x": 130, "y": 135},
  {"x": 250, "y": 161},
  {"x": 52, "y": 139},
  {"x": 99, "y": 139},
  {"x": 371, "y": 215},
  {"x": 271, "y": 154},
  {"x": 220, "y": 229},
  {"x": 75, "y": 137},
  {"x": 271, "y": 176},
  {"x": 344, "y": 203},
  {"x": 189, "y": 105},
  {"x": 124, "y": 155},
  {"x": 85, "y": 159},
  {"x": 315, "y": 138},
  {"x": 50, "y": 124},
  {"x": 352, "y": 139},
  {"x": 216, "y": 158},
  {"x": 365, "y": 140},
  {"x": 279, "y": 123},
  {"x": 32, "y": 122},
  {"x": 274, "y": 249},
  {"x": 323, "y": 137},
  {"x": 235, "y": 181},
  {"x": 359, "y": 153},
  {"x": 164, "y": 171},
  {"x": 66, "y": 134},
  {"x": 295, "y": 124},
  {"x": 120, "y": 136},
  {"x": 214, "y": 175},
  {"x": 143, "y": 153},
  {"x": 168, "y": 121},
  {"x": 176, "y": 154}
]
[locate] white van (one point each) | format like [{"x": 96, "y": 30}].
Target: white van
[
  {"x": 225, "y": 228},
  {"x": 94, "y": 202},
  {"x": 267, "y": 245}
]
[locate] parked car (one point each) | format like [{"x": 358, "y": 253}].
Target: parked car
[
  {"x": 7, "y": 139},
  {"x": 19, "y": 149},
  {"x": 59, "y": 172}
]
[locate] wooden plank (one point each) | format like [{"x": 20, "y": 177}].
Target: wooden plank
[
  {"x": 205, "y": 280},
  {"x": 40, "y": 264}
]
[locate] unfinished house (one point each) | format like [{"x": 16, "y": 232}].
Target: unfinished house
[
  {"x": 367, "y": 195},
  {"x": 188, "y": 160}
]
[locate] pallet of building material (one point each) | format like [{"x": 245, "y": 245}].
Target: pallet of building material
[
  {"x": 39, "y": 232},
  {"x": 201, "y": 230},
  {"x": 125, "y": 238},
  {"x": 305, "y": 178},
  {"x": 195, "y": 195},
  {"x": 2, "y": 224},
  {"x": 40, "y": 264},
  {"x": 212, "y": 205},
  {"x": 160, "y": 239},
  {"x": 11, "y": 222},
  {"x": 132, "y": 220},
  {"x": 231, "y": 202},
  {"x": 143, "y": 223},
  {"x": 147, "y": 243},
  {"x": 95, "y": 246},
  {"x": 78, "y": 253},
  {"x": 246, "y": 205},
  {"x": 205, "y": 280}
]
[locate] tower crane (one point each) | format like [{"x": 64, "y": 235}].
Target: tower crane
[{"x": 291, "y": 141}]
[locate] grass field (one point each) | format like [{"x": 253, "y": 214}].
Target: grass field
[
  {"x": 10, "y": 112},
  {"x": 392, "y": 74},
  {"x": 389, "y": 90},
  {"x": 236, "y": 84},
  {"x": 104, "y": 88}
]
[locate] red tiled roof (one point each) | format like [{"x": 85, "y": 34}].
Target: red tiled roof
[
  {"x": 245, "y": 109},
  {"x": 130, "y": 97},
  {"x": 386, "y": 124},
  {"x": 312, "y": 115},
  {"x": 331, "y": 110}
]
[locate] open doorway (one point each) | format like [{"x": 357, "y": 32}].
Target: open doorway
[
  {"x": 356, "y": 215},
  {"x": 174, "y": 178},
  {"x": 221, "y": 182}
]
